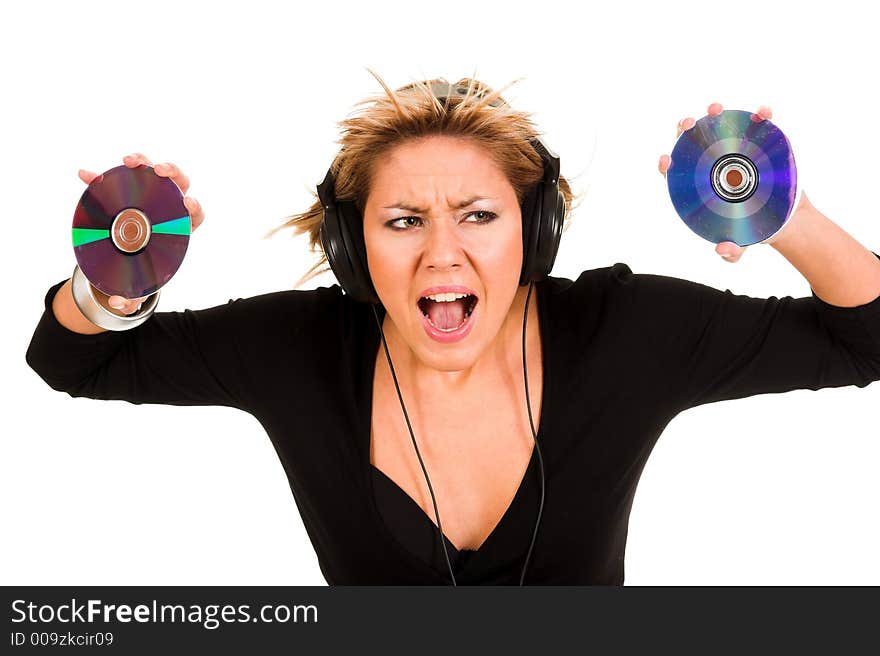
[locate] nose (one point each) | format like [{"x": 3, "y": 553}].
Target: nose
[{"x": 443, "y": 247}]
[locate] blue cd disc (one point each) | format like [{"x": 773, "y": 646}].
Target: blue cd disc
[{"x": 732, "y": 178}]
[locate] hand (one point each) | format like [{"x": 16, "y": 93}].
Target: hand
[
  {"x": 728, "y": 250},
  {"x": 120, "y": 304}
]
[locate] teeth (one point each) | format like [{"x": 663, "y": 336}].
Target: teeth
[{"x": 446, "y": 297}]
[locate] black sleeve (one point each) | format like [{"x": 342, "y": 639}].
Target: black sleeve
[
  {"x": 716, "y": 345},
  {"x": 215, "y": 356}
]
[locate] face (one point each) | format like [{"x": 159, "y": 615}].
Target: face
[{"x": 441, "y": 216}]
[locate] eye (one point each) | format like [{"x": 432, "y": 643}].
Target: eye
[
  {"x": 408, "y": 219},
  {"x": 487, "y": 216}
]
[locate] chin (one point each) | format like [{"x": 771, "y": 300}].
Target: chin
[
  {"x": 449, "y": 362},
  {"x": 458, "y": 356}
]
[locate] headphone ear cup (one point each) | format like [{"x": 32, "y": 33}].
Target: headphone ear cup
[
  {"x": 545, "y": 231},
  {"x": 530, "y": 210},
  {"x": 342, "y": 253},
  {"x": 331, "y": 243},
  {"x": 358, "y": 281},
  {"x": 550, "y": 230}
]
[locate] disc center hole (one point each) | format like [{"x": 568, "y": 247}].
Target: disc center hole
[
  {"x": 131, "y": 230},
  {"x": 734, "y": 177}
]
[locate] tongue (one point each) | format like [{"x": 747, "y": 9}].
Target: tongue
[{"x": 446, "y": 315}]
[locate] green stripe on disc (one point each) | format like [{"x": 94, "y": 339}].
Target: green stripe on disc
[
  {"x": 174, "y": 226},
  {"x": 88, "y": 235}
]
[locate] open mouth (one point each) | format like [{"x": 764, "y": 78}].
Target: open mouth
[{"x": 447, "y": 312}]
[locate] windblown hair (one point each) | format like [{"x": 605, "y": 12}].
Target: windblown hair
[{"x": 413, "y": 112}]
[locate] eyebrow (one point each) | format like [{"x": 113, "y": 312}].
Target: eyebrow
[{"x": 422, "y": 210}]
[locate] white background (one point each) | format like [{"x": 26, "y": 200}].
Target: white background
[{"x": 775, "y": 489}]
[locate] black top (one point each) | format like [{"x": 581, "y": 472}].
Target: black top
[{"x": 623, "y": 354}]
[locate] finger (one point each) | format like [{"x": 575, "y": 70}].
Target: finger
[
  {"x": 685, "y": 124},
  {"x": 131, "y": 307},
  {"x": 136, "y": 159},
  {"x": 763, "y": 113},
  {"x": 196, "y": 213},
  {"x": 117, "y": 302},
  {"x": 715, "y": 109},
  {"x": 87, "y": 176},
  {"x": 730, "y": 251},
  {"x": 170, "y": 170},
  {"x": 663, "y": 164},
  {"x": 125, "y": 305}
]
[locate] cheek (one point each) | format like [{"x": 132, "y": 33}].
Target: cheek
[
  {"x": 386, "y": 248},
  {"x": 390, "y": 268},
  {"x": 503, "y": 252}
]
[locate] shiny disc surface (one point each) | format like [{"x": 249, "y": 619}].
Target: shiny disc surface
[
  {"x": 130, "y": 231},
  {"x": 732, "y": 178}
]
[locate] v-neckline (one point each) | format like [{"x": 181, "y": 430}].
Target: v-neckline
[
  {"x": 513, "y": 502},
  {"x": 374, "y": 345}
]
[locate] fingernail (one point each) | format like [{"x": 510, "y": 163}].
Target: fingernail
[{"x": 116, "y": 305}]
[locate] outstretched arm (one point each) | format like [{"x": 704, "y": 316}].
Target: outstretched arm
[
  {"x": 725, "y": 346},
  {"x": 839, "y": 269}
]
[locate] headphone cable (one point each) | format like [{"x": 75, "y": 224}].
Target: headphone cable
[
  {"x": 534, "y": 436},
  {"x": 421, "y": 462},
  {"x": 419, "y": 455}
]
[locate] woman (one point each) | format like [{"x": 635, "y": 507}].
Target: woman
[{"x": 526, "y": 439}]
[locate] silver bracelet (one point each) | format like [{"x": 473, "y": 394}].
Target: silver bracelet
[{"x": 85, "y": 300}]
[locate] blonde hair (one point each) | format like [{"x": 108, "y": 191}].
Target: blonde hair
[{"x": 412, "y": 112}]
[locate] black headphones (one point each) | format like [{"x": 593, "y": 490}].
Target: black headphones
[{"x": 543, "y": 207}]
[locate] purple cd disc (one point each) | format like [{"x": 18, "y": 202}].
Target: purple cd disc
[{"x": 130, "y": 231}]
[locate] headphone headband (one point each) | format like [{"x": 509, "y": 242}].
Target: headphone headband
[{"x": 442, "y": 91}]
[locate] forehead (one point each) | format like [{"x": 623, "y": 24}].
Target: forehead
[{"x": 437, "y": 161}]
